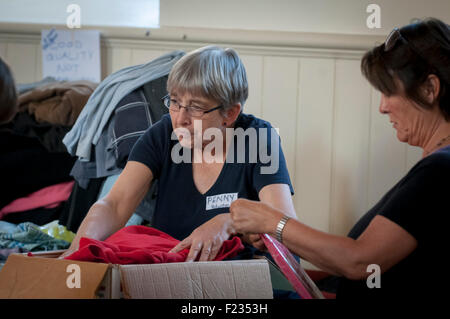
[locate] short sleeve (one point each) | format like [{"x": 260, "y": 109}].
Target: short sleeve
[
  {"x": 271, "y": 166},
  {"x": 152, "y": 147},
  {"x": 420, "y": 200}
]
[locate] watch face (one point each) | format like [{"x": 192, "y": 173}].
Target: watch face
[{"x": 293, "y": 271}]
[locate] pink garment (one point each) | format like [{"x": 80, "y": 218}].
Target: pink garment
[
  {"x": 293, "y": 271},
  {"x": 47, "y": 197}
]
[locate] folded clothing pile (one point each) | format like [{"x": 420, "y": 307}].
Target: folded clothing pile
[
  {"x": 35, "y": 165},
  {"x": 30, "y": 237},
  {"x": 58, "y": 103},
  {"x": 123, "y": 106}
]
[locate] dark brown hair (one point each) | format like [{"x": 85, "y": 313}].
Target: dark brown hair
[
  {"x": 8, "y": 95},
  {"x": 426, "y": 51}
]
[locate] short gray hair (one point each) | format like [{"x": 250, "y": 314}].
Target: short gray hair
[{"x": 211, "y": 72}]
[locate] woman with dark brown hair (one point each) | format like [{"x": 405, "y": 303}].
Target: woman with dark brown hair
[
  {"x": 8, "y": 95},
  {"x": 401, "y": 234}
]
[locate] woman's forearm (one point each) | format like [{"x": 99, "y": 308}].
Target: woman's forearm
[
  {"x": 100, "y": 222},
  {"x": 334, "y": 254}
]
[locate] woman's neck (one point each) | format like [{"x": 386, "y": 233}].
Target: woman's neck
[{"x": 440, "y": 138}]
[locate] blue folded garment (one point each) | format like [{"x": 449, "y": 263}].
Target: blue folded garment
[
  {"x": 28, "y": 237},
  {"x": 103, "y": 101}
]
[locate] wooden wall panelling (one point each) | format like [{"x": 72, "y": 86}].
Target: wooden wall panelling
[
  {"x": 279, "y": 102},
  {"x": 351, "y": 129},
  {"x": 387, "y": 154},
  {"x": 254, "y": 68},
  {"x": 314, "y": 142},
  {"x": 21, "y": 57}
]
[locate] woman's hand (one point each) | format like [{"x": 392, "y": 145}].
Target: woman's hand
[
  {"x": 255, "y": 240},
  {"x": 253, "y": 217},
  {"x": 207, "y": 239},
  {"x": 73, "y": 248}
]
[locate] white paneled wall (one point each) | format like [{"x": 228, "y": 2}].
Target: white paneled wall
[
  {"x": 350, "y": 153},
  {"x": 279, "y": 102},
  {"x": 342, "y": 154},
  {"x": 314, "y": 132}
]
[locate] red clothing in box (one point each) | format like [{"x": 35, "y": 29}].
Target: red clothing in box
[{"x": 142, "y": 245}]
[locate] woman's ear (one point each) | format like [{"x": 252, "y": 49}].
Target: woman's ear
[
  {"x": 431, "y": 88},
  {"x": 232, "y": 114}
]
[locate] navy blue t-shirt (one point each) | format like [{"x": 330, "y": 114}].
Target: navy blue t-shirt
[{"x": 180, "y": 207}]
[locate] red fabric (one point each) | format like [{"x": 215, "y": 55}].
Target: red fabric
[
  {"x": 142, "y": 245},
  {"x": 48, "y": 197},
  {"x": 316, "y": 275}
]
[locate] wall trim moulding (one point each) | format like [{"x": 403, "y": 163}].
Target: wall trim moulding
[{"x": 271, "y": 43}]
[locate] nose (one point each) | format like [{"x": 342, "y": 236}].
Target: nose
[
  {"x": 383, "y": 104},
  {"x": 183, "y": 117}
]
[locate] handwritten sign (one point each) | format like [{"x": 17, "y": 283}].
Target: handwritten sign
[{"x": 71, "y": 55}]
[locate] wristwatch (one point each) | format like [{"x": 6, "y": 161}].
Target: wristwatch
[{"x": 280, "y": 227}]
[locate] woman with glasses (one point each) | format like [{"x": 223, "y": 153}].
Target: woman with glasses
[
  {"x": 402, "y": 236},
  {"x": 207, "y": 91}
]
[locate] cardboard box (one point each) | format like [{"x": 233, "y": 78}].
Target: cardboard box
[{"x": 44, "y": 276}]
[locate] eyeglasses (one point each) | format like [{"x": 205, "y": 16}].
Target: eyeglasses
[
  {"x": 394, "y": 37},
  {"x": 193, "y": 111}
]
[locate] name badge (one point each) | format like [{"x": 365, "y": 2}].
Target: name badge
[{"x": 220, "y": 201}]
